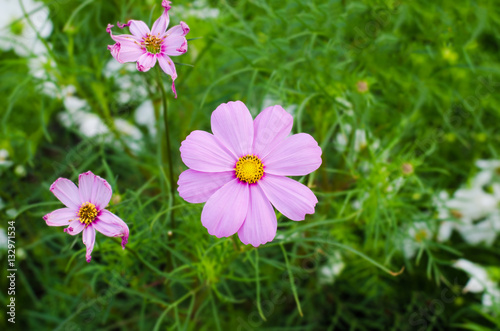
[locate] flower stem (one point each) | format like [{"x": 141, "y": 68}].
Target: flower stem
[{"x": 167, "y": 151}]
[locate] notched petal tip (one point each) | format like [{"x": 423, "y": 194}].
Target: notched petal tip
[
  {"x": 121, "y": 26},
  {"x": 142, "y": 68},
  {"x": 86, "y": 174},
  {"x": 69, "y": 229},
  {"x": 88, "y": 258},
  {"x": 108, "y": 28},
  {"x": 124, "y": 240},
  {"x": 166, "y": 4},
  {"x": 185, "y": 28},
  {"x": 183, "y": 48},
  {"x": 53, "y": 186},
  {"x": 102, "y": 180}
]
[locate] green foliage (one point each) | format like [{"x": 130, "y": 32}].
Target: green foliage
[{"x": 420, "y": 78}]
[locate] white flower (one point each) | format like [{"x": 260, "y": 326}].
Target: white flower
[
  {"x": 472, "y": 204},
  {"x": 360, "y": 139},
  {"x": 15, "y": 30},
  {"x": 42, "y": 68},
  {"x": 479, "y": 277},
  {"x": 145, "y": 115},
  {"x": 344, "y": 102},
  {"x": 418, "y": 234},
  {"x": 395, "y": 185},
  {"x": 358, "y": 203},
  {"x": 449, "y": 223},
  {"x": 4, "y": 158},
  {"x": 74, "y": 104},
  {"x": 479, "y": 282},
  {"x": 490, "y": 165},
  {"x": 471, "y": 211},
  {"x": 92, "y": 125},
  {"x": 131, "y": 86},
  {"x": 342, "y": 138},
  {"x": 3, "y": 239},
  {"x": 491, "y": 298},
  {"x": 329, "y": 272},
  {"x": 489, "y": 169},
  {"x": 113, "y": 68},
  {"x": 199, "y": 9},
  {"x": 482, "y": 232},
  {"x": 131, "y": 134}
]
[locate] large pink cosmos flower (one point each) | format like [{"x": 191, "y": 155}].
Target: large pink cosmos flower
[
  {"x": 145, "y": 46},
  {"x": 85, "y": 210},
  {"x": 240, "y": 169}
]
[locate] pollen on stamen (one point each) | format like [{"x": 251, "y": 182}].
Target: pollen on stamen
[
  {"x": 249, "y": 169},
  {"x": 87, "y": 213},
  {"x": 152, "y": 44}
]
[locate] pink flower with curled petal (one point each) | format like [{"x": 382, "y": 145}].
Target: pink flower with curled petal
[
  {"x": 85, "y": 210},
  {"x": 240, "y": 172},
  {"x": 145, "y": 46}
]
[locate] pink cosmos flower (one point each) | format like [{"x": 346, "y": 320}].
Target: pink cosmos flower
[
  {"x": 145, "y": 46},
  {"x": 240, "y": 169},
  {"x": 85, "y": 210}
]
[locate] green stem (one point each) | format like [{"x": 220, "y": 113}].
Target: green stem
[{"x": 167, "y": 152}]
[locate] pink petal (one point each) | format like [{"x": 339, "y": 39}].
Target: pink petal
[
  {"x": 129, "y": 52},
  {"x": 127, "y": 47},
  {"x": 175, "y": 46},
  {"x": 60, "y": 217},
  {"x": 271, "y": 127},
  {"x": 138, "y": 28},
  {"x": 178, "y": 30},
  {"x": 232, "y": 124},
  {"x": 297, "y": 155},
  {"x": 89, "y": 240},
  {"x": 122, "y": 38},
  {"x": 111, "y": 225},
  {"x": 290, "y": 197},
  {"x": 161, "y": 23},
  {"x": 168, "y": 66},
  {"x": 166, "y": 4},
  {"x": 75, "y": 227},
  {"x": 85, "y": 183},
  {"x": 126, "y": 52},
  {"x": 260, "y": 223},
  {"x": 197, "y": 187},
  {"x": 67, "y": 192},
  {"x": 124, "y": 25},
  {"x": 146, "y": 61},
  {"x": 114, "y": 50},
  {"x": 203, "y": 152},
  {"x": 101, "y": 193},
  {"x": 226, "y": 209}
]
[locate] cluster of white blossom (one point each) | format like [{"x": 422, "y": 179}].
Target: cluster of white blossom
[
  {"x": 473, "y": 211},
  {"x": 77, "y": 114}
]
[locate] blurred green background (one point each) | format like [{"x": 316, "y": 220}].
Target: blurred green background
[{"x": 401, "y": 95}]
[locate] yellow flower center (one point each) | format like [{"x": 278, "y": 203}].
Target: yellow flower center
[
  {"x": 87, "y": 213},
  {"x": 421, "y": 235},
  {"x": 152, "y": 44},
  {"x": 249, "y": 168}
]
